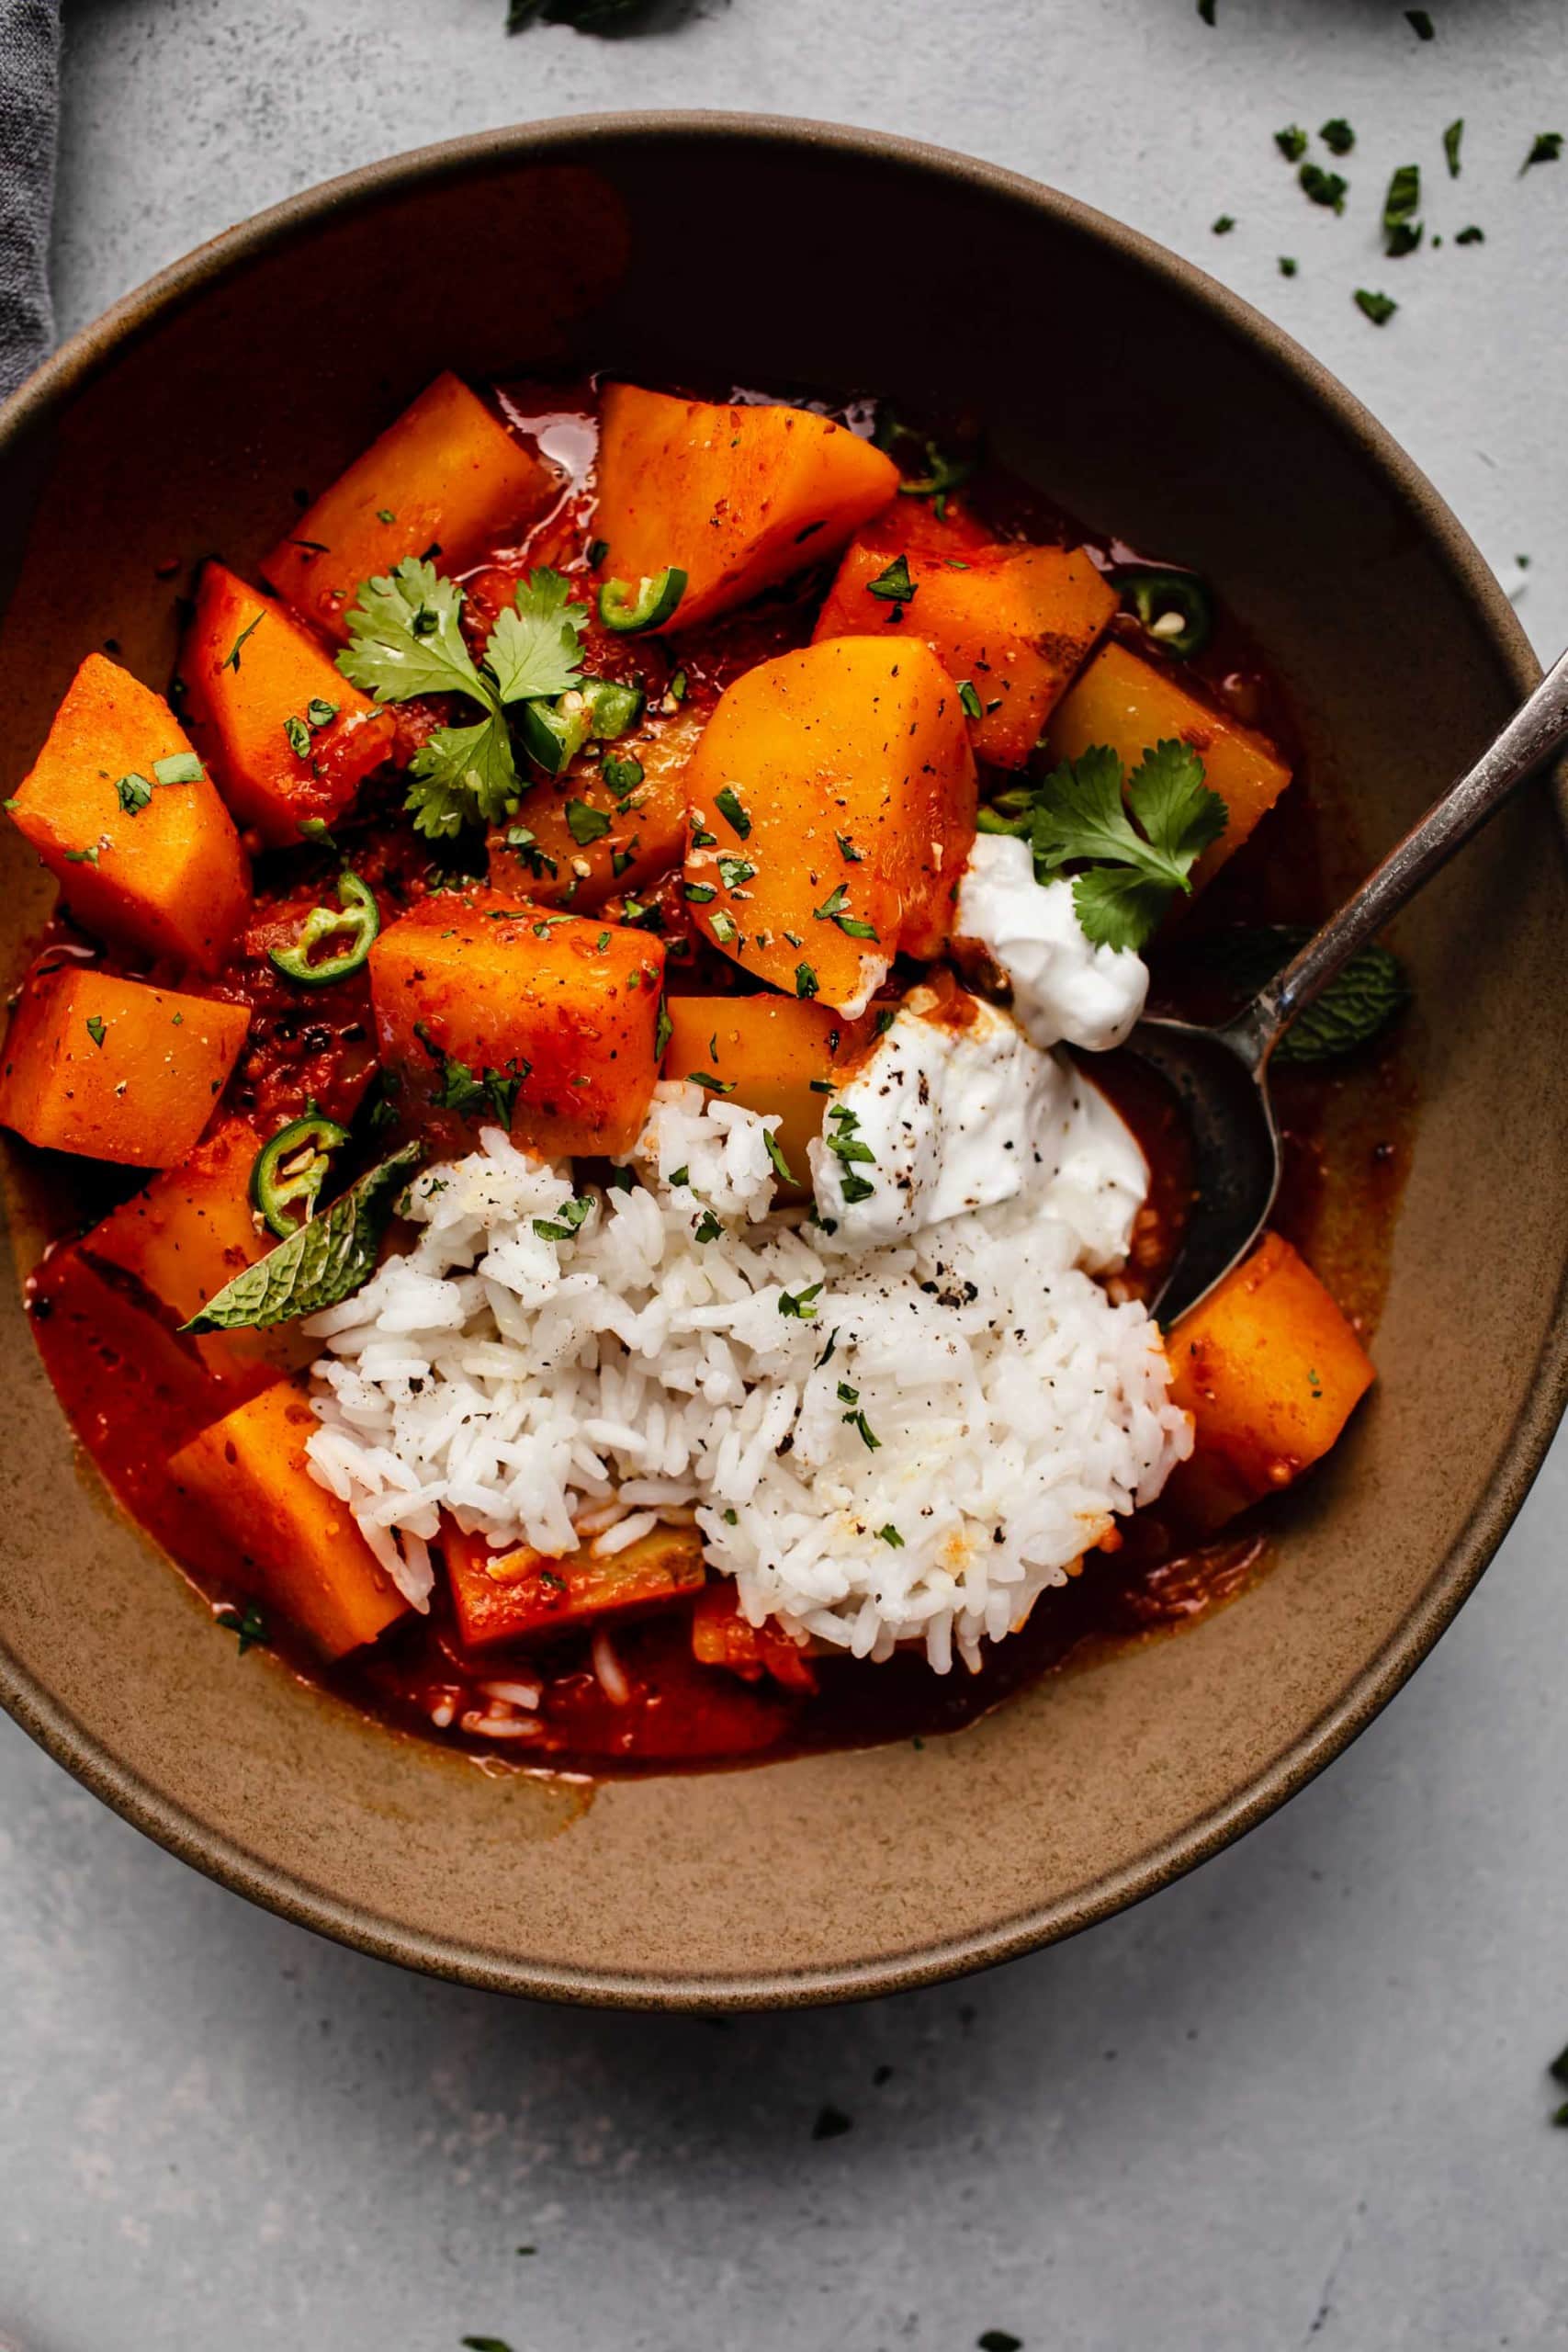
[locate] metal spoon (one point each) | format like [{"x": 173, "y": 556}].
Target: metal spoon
[{"x": 1221, "y": 1075}]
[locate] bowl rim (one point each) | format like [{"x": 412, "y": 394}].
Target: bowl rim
[{"x": 174, "y": 1826}]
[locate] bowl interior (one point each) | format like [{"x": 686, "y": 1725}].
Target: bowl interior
[{"x": 716, "y": 252}]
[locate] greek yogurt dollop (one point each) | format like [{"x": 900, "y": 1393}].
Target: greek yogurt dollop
[
  {"x": 955, "y": 1109},
  {"x": 1064, "y": 992}
]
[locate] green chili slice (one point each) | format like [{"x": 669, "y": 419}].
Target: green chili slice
[
  {"x": 1174, "y": 606},
  {"x": 652, "y": 602},
  {"x": 552, "y": 733},
  {"x": 289, "y": 1172},
  {"x": 354, "y": 919}
]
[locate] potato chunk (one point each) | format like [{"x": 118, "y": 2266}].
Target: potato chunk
[
  {"x": 448, "y": 475},
  {"x": 150, "y": 861},
  {"x": 832, "y": 806},
  {"x": 490, "y": 1010},
  {"x": 776, "y": 1053},
  {"x": 621, "y": 839},
  {"x": 295, "y": 1544},
  {"x": 1014, "y": 624},
  {"x": 114, "y": 1068},
  {"x": 1270, "y": 1372},
  {"x": 501, "y": 1595},
  {"x": 286, "y": 736},
  {"x": 1129, "y": 704},
  {"x": 738, "y": 496}
]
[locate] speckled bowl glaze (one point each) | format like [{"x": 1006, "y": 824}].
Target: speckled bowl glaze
[{"x": 730, "y": 247}]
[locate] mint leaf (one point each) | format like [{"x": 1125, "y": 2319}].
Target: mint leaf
[
  {"x": 1356, "y": 1006},
  {"x": 533, "y": 652},
  {"x": 324, "y": 1263},
  {"x": 404, "y": 638}
]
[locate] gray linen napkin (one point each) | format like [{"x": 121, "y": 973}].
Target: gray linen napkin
[{"x": 29, "y": 103}]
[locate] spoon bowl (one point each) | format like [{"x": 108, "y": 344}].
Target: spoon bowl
[
  {"x": 1220, "y": 1076},
  {"x": 1221, "y": 1086}
]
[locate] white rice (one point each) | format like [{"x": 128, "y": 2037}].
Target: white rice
[{"x": 549, "y": 1391}]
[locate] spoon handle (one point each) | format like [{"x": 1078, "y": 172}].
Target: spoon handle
[{"x": 1537, "y": 728}]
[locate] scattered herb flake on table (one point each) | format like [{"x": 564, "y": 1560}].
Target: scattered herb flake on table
[
  {"x": 1328, "y": 188},
  {"x": 1292, "y": 142},
  {"x": 1420, "y": 24},
  {"x": 1451, "y": 139},
  {"x": 1379, "y": 308},
  {"x": 1546, "y": 149},
  {"x": 1402, "y": 231},
  {"x": 1337, "y": 135}
]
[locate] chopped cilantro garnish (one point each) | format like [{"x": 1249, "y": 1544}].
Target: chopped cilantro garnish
[
  {"x": 723, "y": 927},
  {"x": 704, "y": 1078},
  {"x": 969, "y": 701},
  {"x": 622, "y": 776},
  {"x": 572, "y": 1215},
  {"x": 1379, "y": 308},
  {"x": 781, "y": 1165},
  {"x": 298, "y": 738},
  {"x": 180, "y": 767},
  {"x": 232, "y": 658},
  {"x": 857, "y": 1421},
  {"x": 523, "y": 839},
  {"x": 248, "y": 1623},
  {"x": 95, "y": 1029},
  {"x": 731, "y": 808},
  {"x": 707, "y": 1228},
  {"x": 682, "y": 1176},
  {"x": 893, "y": 586},
  {"x": 802, "y": 1305},
  {"x": 385, "y": 514},
  {"x": 585, "y": 824},
  {"x": 806, "y": 982},
  {"x": 700, "y": 894},
  {"x": 678, "y": 686},
  {"x": 890, "y": 1535},
  {"x": 83, "y": 856},
  {"x": 833, "y": 911},
  {"x": 734, "y": 872},
  {"x": 664, "y": 1030},
  {"x": 134, "y": 792}
]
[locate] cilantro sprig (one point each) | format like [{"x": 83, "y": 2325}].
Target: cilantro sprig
[
  {"x": 406, "y": 639},
  {"x": 1126, "y": 873}
]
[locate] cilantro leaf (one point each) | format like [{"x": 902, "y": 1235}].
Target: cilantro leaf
[
  {"x": 463, "y": 775},
  {"x": 1168, "y": 798},
  {"x": 1080, "y": 815},
  {"x": 533, "y": 650},
  {"x": 404, "y": 638}
]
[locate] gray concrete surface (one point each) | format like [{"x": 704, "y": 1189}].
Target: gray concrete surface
[{"x": 1298, "y": 2100}]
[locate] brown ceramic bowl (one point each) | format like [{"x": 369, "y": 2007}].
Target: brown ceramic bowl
[{"x": 780, "y": 254}]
